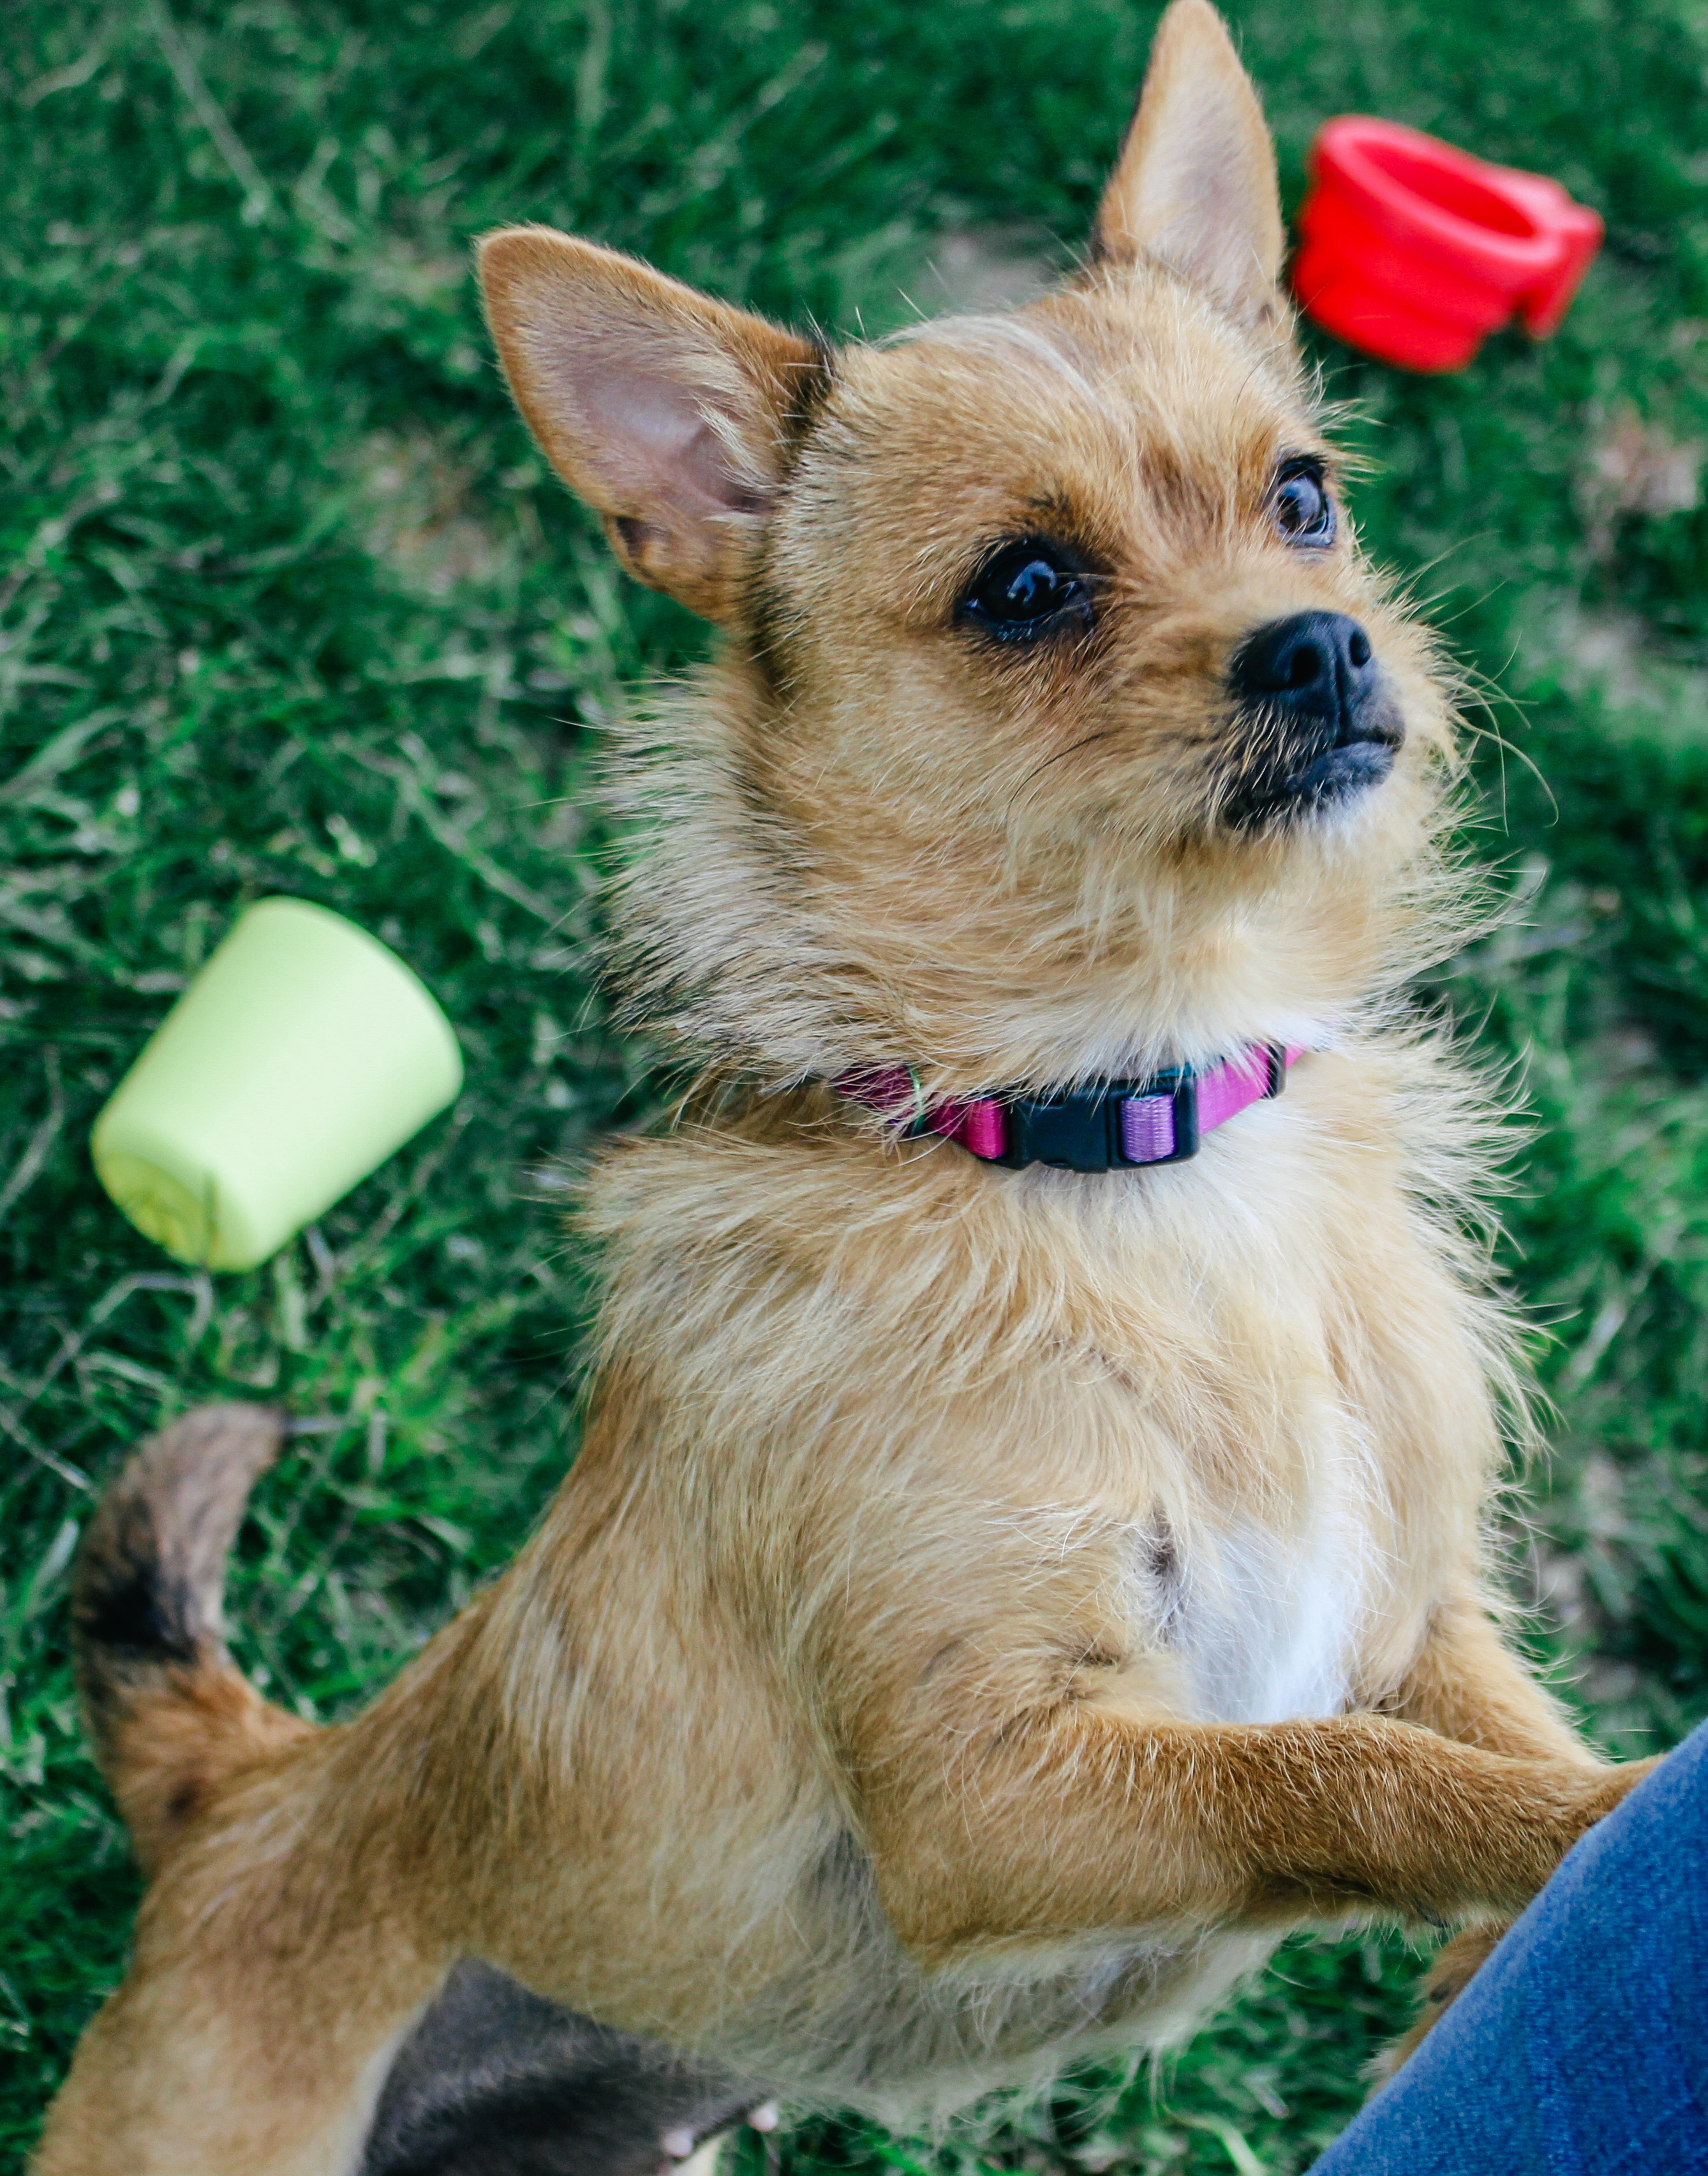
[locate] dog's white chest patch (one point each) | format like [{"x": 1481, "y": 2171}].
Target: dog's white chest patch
[{"x": 1261, "y": 1622}]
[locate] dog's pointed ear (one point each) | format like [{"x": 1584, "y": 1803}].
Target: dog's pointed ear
[
  {"x": 1196, "y": 182},
  {"x": 667, "y": 412}
]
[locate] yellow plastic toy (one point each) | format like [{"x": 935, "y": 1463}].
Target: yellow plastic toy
[{"x": 303, "y": 1054}]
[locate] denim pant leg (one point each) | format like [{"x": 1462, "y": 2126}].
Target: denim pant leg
[{"x": 1582, "y": 2047}]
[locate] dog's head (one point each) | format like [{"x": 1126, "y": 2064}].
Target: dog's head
[{"x": 1059, "y": 729}]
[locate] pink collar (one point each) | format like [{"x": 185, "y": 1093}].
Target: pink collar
[{"x": 1118, "y": 1127}]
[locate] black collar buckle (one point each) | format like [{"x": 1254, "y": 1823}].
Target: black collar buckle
[{"x": 1080, "y": 1129}]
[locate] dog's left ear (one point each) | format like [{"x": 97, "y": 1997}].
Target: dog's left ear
[
  {"x": 667, "y": 412},
  {"x": 1196, "y": 182}
]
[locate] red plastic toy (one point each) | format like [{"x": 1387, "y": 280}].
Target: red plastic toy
[{"x": 1415, "y": 251}]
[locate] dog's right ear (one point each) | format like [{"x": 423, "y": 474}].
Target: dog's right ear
[{"x": 667, "y": 412}]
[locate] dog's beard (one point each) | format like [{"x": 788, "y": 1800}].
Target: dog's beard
[{"x": 1286, "y": 774}]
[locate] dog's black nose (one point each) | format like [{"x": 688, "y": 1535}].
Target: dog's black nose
[{"x": 1317, "y": 666}]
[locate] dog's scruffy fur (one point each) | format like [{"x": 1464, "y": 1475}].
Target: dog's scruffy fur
[{"x": 990, "y": 1607}]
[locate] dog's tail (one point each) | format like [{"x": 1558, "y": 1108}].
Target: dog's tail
[{"x": 171, "y": 1717}]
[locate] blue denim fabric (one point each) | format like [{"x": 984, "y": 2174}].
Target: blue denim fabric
[{"x": 1582, "y": 2047}]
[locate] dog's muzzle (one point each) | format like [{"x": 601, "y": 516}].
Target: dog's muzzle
[{"x": 1315, "y": 717}]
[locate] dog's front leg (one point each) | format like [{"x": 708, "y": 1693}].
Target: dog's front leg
[
  {"x": 1080, "y": 1821},
  {"x": 1466, "y": 1683}
]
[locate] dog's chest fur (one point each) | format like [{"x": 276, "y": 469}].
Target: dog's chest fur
[
  {"x": 1191, "y": 1446},
  {"x": 1262, "y": 1622}
]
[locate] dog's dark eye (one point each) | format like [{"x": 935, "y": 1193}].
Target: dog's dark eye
[
  {"x": 1300, "y": 504},
  {"x": 1026, "y": 589}
]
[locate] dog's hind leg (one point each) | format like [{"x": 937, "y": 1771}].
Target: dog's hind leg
[
  {"x": 178, "y": 2078},
  {"x": 276, "y": 2055},
  {"x": 1457, "y": 1964},
  {"x": 290, "y": 2010}
]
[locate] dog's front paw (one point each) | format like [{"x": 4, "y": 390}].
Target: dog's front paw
[
  {"x": 1456, "y": 1965},
  {"x": 1609, "y": 1787}
]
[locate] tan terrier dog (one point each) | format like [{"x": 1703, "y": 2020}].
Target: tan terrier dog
[{"x": 1018, "y": 1567}]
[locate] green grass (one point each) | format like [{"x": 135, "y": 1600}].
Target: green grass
[{"x": 286, "y": 602}]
